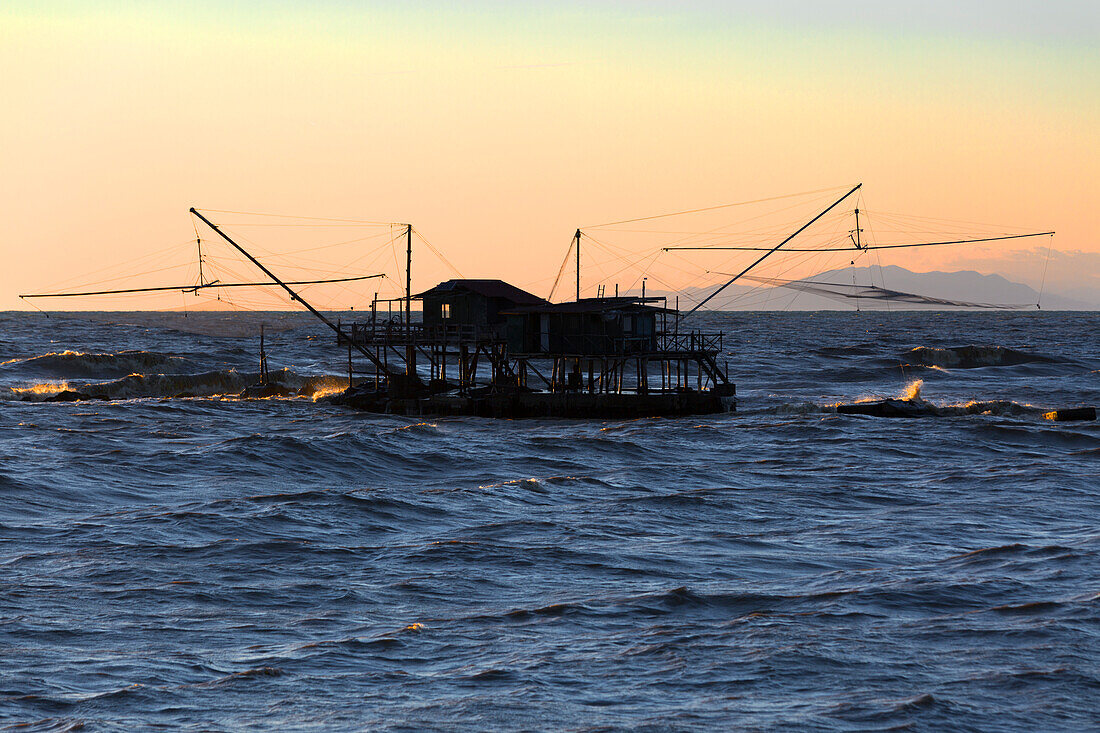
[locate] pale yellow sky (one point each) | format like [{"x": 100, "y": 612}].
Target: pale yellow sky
[{"x": 498, "y": 129}]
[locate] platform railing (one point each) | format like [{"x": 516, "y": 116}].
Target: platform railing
[
  {"x": 397, "y": 332},
  {"x": 689, "y": 341}
]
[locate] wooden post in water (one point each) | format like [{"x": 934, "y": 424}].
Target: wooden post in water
[
  {"x": 263, "y": 357},
  {"x": 463, "y": 367}
]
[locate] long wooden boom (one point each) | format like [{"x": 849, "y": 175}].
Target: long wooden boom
[
  {"x": 193, "y": 288},
  {"x": 801, "y": 229},
  {"x": 293, "y": 295}
]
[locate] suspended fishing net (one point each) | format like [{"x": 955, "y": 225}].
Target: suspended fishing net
[
  {"x": 704, "y": 257},
  {"x": 869, "y": 295}
]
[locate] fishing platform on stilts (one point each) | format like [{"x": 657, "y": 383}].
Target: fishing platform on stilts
[{"x": 490, "y": 349}]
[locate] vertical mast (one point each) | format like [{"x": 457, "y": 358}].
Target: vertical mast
[
  {"x": 198, "y": 242},
  {"x": 577, "y": 243},
  {"x": 859, "y": 245},
  {"x": 410, "y": 350}
]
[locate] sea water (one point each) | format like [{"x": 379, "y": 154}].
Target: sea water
[{"x": 176, "y": 557}]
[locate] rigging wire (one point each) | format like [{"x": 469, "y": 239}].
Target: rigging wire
[
  {"x": 712, "y": 208},
  {"x": 913, "y": 217},
  {"x": 1046, "y": 264},
  {"x": 312, "y": 218},
  {"x": 561, "y": 270},
  {"x": 878, "y": 260},
  {"x": 198, "y": 244},
  {"x": 341, "y": 243},
  {"x": 877, "y": 246},
  {"x": 766, "y": 232},
  {"x": 628, "y": 264},
  {"x": 157, "y": 254},
  {"x": 437, "y": 252}
]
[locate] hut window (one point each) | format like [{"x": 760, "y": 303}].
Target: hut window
[{"x": 445, "y": 310}]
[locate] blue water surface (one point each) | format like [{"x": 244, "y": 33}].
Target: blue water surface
[{"x": 176, "y": 557}]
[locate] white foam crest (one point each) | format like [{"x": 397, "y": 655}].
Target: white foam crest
[
  {"x": 35, "y": 392},
  {"x": 72, "y": 364},
  {"x": 988, "y": 407},
  {"x": 970, "y": 357},
  {"x": 911, "y": 393},
  {"x": 222, "y": 383}
]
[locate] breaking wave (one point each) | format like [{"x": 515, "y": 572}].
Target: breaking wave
[
  {"x": 79, "y": 364},
  {"x": 924, "y": 408},
  {"x": 985, "y": 407},
  {"x": 911, "y": 396},
  {"x": 912, "y": 402},
  {"x": 221, "y": 383},
  {"x": 912, "y": 390},
  {"x": 971, "y": 357}
]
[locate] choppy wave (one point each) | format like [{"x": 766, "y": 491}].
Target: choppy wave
[
  {"x": 82, "y": 365},
  {"x": 972, "y": 357},
  {"x": 227, "y": 382},
  {"x": 912, "y": 397}
]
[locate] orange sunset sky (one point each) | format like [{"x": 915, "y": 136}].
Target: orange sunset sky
[{"x": 498, "y": 128}]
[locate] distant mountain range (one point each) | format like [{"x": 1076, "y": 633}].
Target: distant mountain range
[{"x": 966, "y": 285}]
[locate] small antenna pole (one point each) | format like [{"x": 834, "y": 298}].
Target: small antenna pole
[{"x": 855, "y": 291}]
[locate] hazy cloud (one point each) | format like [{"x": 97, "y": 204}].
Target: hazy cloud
[
  {"x": 1022, "y": 19},
  {"x": 1067, "y": 272}
]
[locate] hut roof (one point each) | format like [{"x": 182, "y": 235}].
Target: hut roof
[
  {"x": 597, "y": 305},
  {"x": 488, "y": 289}
]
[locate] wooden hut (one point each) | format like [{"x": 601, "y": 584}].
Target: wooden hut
[
  {"x": 587, "y": 327},
  {"x": 473, "y": 303}
]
